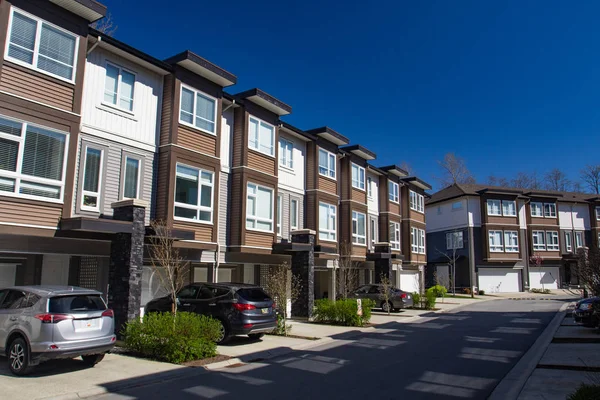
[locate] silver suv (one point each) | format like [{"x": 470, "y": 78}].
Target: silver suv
[{"x": 40, "y": 323}]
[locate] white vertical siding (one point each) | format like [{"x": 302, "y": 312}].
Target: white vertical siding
[
  {"x": 522, "y": 207},
  {"x": 441, "y": 216},
  {"x": 474, "y": 205},
  {"x": 293, "y": 179},
  {"x": 574, "y": 216},
  {"x": 373, "y": 200},
  {"x": 226, "y": 138},
  {"x": 55, "y": 269},
  {"x": 286, "y": 200}
]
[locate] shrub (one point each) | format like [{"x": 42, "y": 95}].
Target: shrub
[
  {"x": 174, "y": 339},
  {"x": 467, "y": 291},
  {"x": 430, "y": 299},
  {"x": 585, "y": 392},
  {"x": 342, "y": 312},
  {"x": 439, "y": 290},
  {"x": 541, "y": 291},
  {"x": 482, "y": 292},
  {"x": 282, "y": 329},
  {"x": 416, "y": 299}
]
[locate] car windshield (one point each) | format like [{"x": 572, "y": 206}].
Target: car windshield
[
  {"x": 76, "y": 303},
  {"x": 253, "y": 294}
]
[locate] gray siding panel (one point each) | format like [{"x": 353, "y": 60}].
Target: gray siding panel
[
  {"x": 223, "y": 209},
  {"x": 286, "y": 198}
]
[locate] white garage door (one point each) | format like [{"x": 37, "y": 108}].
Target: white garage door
[
  {"x": 499, "y": 280},
  {"x": 409, "y": 281},
  {"x": 548, "y": 276}
]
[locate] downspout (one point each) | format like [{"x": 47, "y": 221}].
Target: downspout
[{"x": 99, "y": 39}]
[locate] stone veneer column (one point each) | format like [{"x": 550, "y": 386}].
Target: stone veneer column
[
  {"x": 303, "y": 266},
  {"x": 126, "y": 262},
  {"x": 383, "y": 264}
]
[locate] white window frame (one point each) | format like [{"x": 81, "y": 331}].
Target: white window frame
[
  {"x": 360, "y": 171},
  {"x": 395, "y": 241},
  {"x": 279, "y": 213},
  {"x": 551, "y": 209},
  {"x": 18, "y": 176},
  {"x": 569, "y": 241},
  {"x": 358, "y": 238},
  {"x": 508, "y": 246},
  {"x": 495, "y": 247},
  {"x": 294, "y": 215},
  {"x": 118, "y": 106},
  {"x": 139, "y": 177},
  {"x": 193, "y": 125},
  {"x": 36, "y": 46},
  {"x": 84, "y": 192},
  {"x": 394, "y": 192},
  {"x": 421, "y": 241},
  {"x": 328, "y": 230},
  {"x": 330, "y": 157},
  {"x": 514, "y": 203},
  {"x": 283, "y": 161},
  {"x": 579, "y": 240},
  {"x": 454, "y": 240},
  {"x": 538, "y": 208},
  {"x": 539, "y": 246},
  {"x": 417, "y": 201},
  {"x": 369, "y": 188},
  {"x": 197, "y": 207},
  {"x": 598, "y": 213},
  {"x": 254, "y": 217},
  {"x": 417, "y": 237},
  {"x": 260, "y": 122},
  {"x": 489, "y": 206},
  {"x": 552, "y": 236}
]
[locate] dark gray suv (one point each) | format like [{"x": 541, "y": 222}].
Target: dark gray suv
[
  {"x": 397, "y": 298},
  {"x": 40, "y": 323}
]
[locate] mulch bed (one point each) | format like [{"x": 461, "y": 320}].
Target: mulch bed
[
  {"x": 296, "y": 336},
  {"x": 203, "y": 362}
]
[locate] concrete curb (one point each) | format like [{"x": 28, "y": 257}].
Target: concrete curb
[{"x": 512, "y": 384}]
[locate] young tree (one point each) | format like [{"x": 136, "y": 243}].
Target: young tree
[
  {"x": 588, "y": 269},
  {"x": 283, "y": 286},
  {"x": 385, "y": 293},
  {"x": 497, "y": 181},
  {"x": 590, "y": 175},
  {"x": 347, "y": 274},
  {"x": 454, "y": 170},
  {"x": 106, "y": 25},
  {"x": 537, "y": 260},
  {"x": 521, "y": 181},
  {"x": 557, "y": 180},
  {"x": 166, "y": 262},
  {"x": 452, "y": 256},
  {"x": 408, "y": 168}
]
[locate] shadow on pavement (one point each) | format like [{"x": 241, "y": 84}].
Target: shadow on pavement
[{"x": 45, "y": 369}]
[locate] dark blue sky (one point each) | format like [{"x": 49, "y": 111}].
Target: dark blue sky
[{"x": 509, "y": 86}]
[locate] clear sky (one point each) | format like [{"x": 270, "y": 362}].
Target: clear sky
[{"x": 509, "y": 86}]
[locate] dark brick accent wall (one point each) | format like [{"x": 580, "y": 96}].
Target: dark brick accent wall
[
  {"x": 303, "y": 265},
  {"x": 383, "y": 265}
]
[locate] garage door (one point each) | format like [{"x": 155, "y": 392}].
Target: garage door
[
  {"x": 409, "y": 281},
  {"x": 548, "y": 276},
  {"x": 499, "y": 280}
]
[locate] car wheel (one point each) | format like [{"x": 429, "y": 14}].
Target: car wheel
[
  {"x": 18, "y": 357},
  {"x": 223, "y": 333},
  {"x": 256, "y": 336},
  {"x": 386, "y": 306},
  {"x": 92, "y": 360}
]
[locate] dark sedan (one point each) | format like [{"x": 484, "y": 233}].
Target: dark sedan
[
  {"x": 397, "y": 299},
  {"x": 584, "y": 311}
]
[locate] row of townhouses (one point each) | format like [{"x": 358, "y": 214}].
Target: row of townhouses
[
  {"x": 490, "y": 234},
  {"x": 97, "y": 139}
]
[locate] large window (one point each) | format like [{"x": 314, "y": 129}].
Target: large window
[
  {"x": 539, "y": 242},
  {"x": 41, "y": 46},
  {"x": 395, "y": 236},
  {"x": 131, "y": 177},
  {"x": 327, "y": 222},
  {"x": 598, "y": 213},
  {"x": 496, "y": 244},
  {"x": 549, "y": 210},
  {"x": 578, "y": 239},
  {"x": 537, "y": 209},
  {"x": 511, "y": 241},
  {"x": 417, "y": 202},
  {"x": 279, "y": 213},
  {"x": 259, "y": 208},
  {"x": 92, "y": 178},
  {"x": 358, "y": 177},
  {"x": 119, "y": 87},
  {"x": 422, "y": 241},
  {"x": 286, "y": 153},
  {"x": 261, "y": 136},
  {"x": 32, "y": 160},
  {"x": 454, "y": 240},
  {"x": 552, "y": 241},
  {"x": 394, "y": 192},
  {"x": 569, "y": 241},
  {"x": 417, "y": 237},
  {"x": 509, "y": 208},
  {"x": 369, "y": 187},
  {"x": 359, "y": 228},
  {"x": 493, "y": 207},
  {"x": 294, "y": 214},
  {"x": 193, "y": 194},
  {"x": 327, "y": 163},
  {"x": 198, "y": 109}
]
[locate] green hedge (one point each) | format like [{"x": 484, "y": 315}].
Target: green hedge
[
  {"x": 342, "y": 312},
  {"x": 162, "y": 336},
  {"x": 439, "y": 290},
  {"x": 585, "y": 392},
  {"x": 416, "y": 300},
  {"x": 430, "y": 298}
]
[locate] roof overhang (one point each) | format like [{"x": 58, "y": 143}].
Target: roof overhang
[
  {"x": 509, "y": 192},
  {"x": 544, "y": 195},
  {"x": 329, "y": 134},
  {"x": 360, "y": 151},
  {"x": 375, "y": 170},
  {"x": 89, "y": 9},
  {"x": 413, "y": 180},
  {"x": 297, "y": 133},
  {"x": 394, "y": 170},
  {"x": 204, "y": 68},
  {"x": 266, "y": 101},
  {"x": 96, "y": 225}
]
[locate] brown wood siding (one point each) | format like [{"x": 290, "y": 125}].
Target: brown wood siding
[
  {"x": 29, "y": 214},
  {"x": 344, "y": 178},
  {"x": 261, "y": 162},
  {"x": 239, "y": 145},
  {"x": 544, "y": 221},
  {"x": 503, "y": 256},
  {"x": 167, "y": 110},
  {"x": 394, "y": 207},
  {"x": 502, "y": 220},
  {"x": 34, "y": 86},
  {"x": 259, "y": 239},
  {"x": 162, "y": 186},
  {"x": 197, "y": 141},
  {"x": 311, "y": 166},
  {"x": 417, "y": 216},
  {"x": 359, "y": 251},
  {"x": 360, "y": 196},
  {"x": 202, "y": 232},
  {"x": 310, "y": 214},
  {"x": 327, "y": 185},
  {"x": 550, "y": 254}
]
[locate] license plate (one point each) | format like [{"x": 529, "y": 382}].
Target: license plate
[
  {"x": 265, "y": 310},
  {"x": 85, "y": 324}
]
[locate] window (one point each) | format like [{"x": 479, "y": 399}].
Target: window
[
  {"x": 493, "y": 208},
  {"x": 369, "y": 187},
  {"x": 509, "y": 208},
  {"x": 286, "y": 153},
  {"x": 32, "y": 161},
  {"x": 193, "y": 194},
  {"x": 259, "y": 208},
  {"x": 131, "y": 177},
  {"x": 538, "y": 240},
  {"x": 454, "y": 240},
  {"x": 261, "y": 136},
  {"x": 395, "y": 236},
  {"x": 417, "y": 237},
  {"x": 198, "y": 110},
  {"x": 359, "y": 228},
  {"x": 457, "y": 205},
  {"x": 578, "y": 239},
  {"x": 358, "y": 177},
  {"x": 326, "y": 163},
  {"x": 41, "y": 46},
  {"x": 394, "y": 191},
  {"x": 511, "y": 241},
  {"x": 569, "y": 242},
  {"x": 293, "y": 214},
  {"x": 417, "y": 201},
  {"x": 373, "y": 230},
  {"x": 327, "y": 222},
  {"x": 279, "y": 214},
  {"x": 421, "y": 241},
  {"x": 549, "y": 210},
  {"x": 536, "y": 209},
  {"x": 552, "y": 241},
  {"x": 13, "y": 300},
  {"x": 495, "y": 238},
  {"x": 92, "y": 178},
  {"x": 598, "y": 213},
  {"x": 118, "y": 87}
]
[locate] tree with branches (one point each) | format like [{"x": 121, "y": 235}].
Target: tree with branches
[
  {"x": 590, "y": 175},
  {"x": 106, "y": 25},
  {"x": 283, "y": 286},
  {"x": 454, "y": 170},
  {"x": 557, "y": 180},
  {"x": 346, "y": 274},
  {"x": 452, "y": 256},
  {"x": 536, "y": 260},
  {"x": 588, "y": 269},
  {"x": 385, "y": 293}
]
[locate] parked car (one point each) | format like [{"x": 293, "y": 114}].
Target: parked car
[
  {"x": 584, "y": 312},
  {"x": 41, "y": 323},
  {"x": 398, "y": 299},
  {"x": 242, "y": 309}
]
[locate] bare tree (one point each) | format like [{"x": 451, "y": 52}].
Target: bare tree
[
  {"x": 590, "y": 175},
  {"x": 106, "y": 25},
  {"x": 454, "y": 170},
  {"x": 577, "y": 187},
  {"x": 408, "y": 168},
  {"x": 588, "y": 269},
  {"x": 385, "y": 293},
  {"x": 537, "y": 261},
  {"x": 347, "y": 274},
  {"x": 166, "y": 262},
  {"x": 521, "y": 181},
  {"x": 452, "y": 256},
  {"x": 283, "y": 286},
  {"x": 557, "y": 180},
  {"x": 497, "y": 181},
  {"x": 535, "y": 182}
]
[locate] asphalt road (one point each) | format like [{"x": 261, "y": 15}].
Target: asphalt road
[{"x": 456, "y": 355}]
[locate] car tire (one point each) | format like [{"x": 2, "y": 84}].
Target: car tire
[
  {"x": 224, "y": 331},
  {"x": 386, "y": 306},
  {"x": 255, "y": 336},
  {"x": 92, "y": 359},
  {"x": 18, "y": 357}
]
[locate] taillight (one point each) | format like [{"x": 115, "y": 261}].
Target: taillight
[
  {"x": 243, "y": 307},
  {"x": 108, "y": 313},
  {"x": 403, "y": 295},
  {"x": 53, "y": 318}
]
